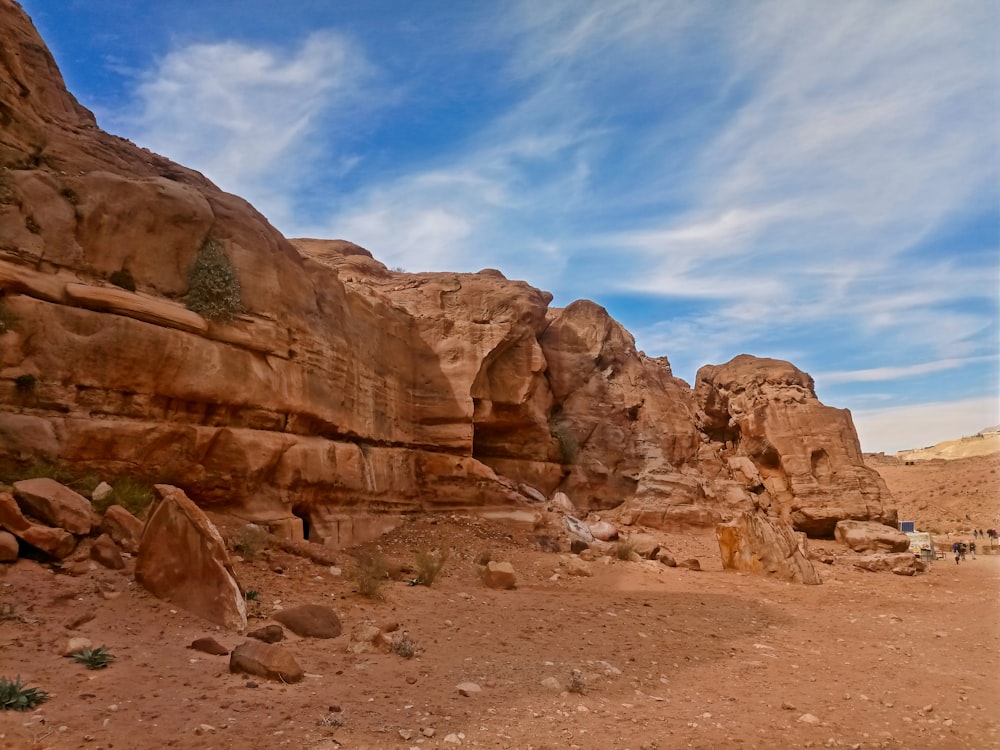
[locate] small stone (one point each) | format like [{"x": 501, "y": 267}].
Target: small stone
[
  {"x": 552, "y": 683},
  {"x": 427, "y": 731},
  {"x": 928, "y": 708},
  {"x": 75, "y": 646},
  {"x": 453, "y": 739},
  {"x": 468, "y": 689},
  {"x": 209, "y": 646},
  {"x": 808, "y": 719},
  {"x": 406, "y": 734}
]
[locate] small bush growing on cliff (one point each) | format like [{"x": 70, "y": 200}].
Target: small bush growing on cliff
[
  {"x": 569, "y": 447},
  {"x": 16, "y": 697},
  {"x": 213, "y": 287},
  {"x": 123, "y": 279}
]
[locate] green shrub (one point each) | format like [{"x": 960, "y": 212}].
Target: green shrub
[
  {"x": 371, "y": 573},
  {"x": 429, "y": 566},
  {"x": 133, "y": 495},
  {"x": 249, "y": 541},
  {"x": 213, "y": 287},
  {"x": 97, "y": 658},
  {"x": 623, "y": 549},
  {"x": 16, "y": 697},
  {"x": 569, "y": 447},
  {"x": 123, "y": 279},
  {"x": 252, "y": 595}
]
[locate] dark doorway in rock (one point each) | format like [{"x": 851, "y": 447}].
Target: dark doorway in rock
[{"x": 301, "y": 512}]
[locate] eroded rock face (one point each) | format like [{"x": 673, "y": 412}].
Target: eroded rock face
[
  {"x": 807, "y": 456},
  {"x": 363, "y": 393}
]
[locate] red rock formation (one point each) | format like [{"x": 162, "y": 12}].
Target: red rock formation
[
  {"x": 345, "y": 389},
  {"x": 805, "y": 460}
]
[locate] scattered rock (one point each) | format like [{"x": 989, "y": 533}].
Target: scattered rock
[
  {"x": 499, "y": 575},
  {"x": 123, "y": 527},
  {"x": 645, "y": 546},
  {"x": 8, "y": 546},
  {"x": 691, "y": 564},
  {"x": 603, "y": 530},
  {"x": 269, "y": 634},
  {"x": 808, "y": 719},
  {"x": 75, "y": 645},
  {"x": 551, "y": 683},
  {"x": 106, "y": 552},
  {"x": 209, "y": 646},
  {"x": 101, "y": 492},
  {"x": 311, "y": 621},
  {"x": 574, "y": 566},
  {"x": 666, "y": 558},
  {"x": 265, "y": 660},
  {"x": 57, "y": 543},
  {"x": 54, "y": 504},
  {"x": 562, "y": 504},
  {"x": 468, "y": 689},
  {"x": 81, "y": 619},
  {"x": 578, "y": 529},
  {"x": 900, "y": 563}
]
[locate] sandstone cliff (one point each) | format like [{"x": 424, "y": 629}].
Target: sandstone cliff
[{"x": 343, "y": 391}]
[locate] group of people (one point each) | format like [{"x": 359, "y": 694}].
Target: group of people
[{"x": 961, "y": 548}]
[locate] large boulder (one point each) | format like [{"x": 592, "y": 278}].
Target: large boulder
[
  {"x": 55, "y": 542},
  {"x": 760, "y": 545},
  {"x": 183, "y": 559},
  {"x": 866, "y": 536},
  {"x": 54, "y": 504}
]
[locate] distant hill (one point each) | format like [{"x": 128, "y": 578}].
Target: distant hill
[{"x": 981, "y": 444}]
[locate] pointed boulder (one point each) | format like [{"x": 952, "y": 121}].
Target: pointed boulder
[
  {"x": 183, "y": 559},
  {"x": 755, "y": 543}
]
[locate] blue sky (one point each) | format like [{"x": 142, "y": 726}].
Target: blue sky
[{"x": 812, "y": 181}]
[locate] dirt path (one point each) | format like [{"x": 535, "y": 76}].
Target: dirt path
[{"x": 668, "y": 658}]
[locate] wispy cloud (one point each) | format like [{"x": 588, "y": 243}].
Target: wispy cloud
[
  {"x": 876, "y": 374},
  {"x": 252, "y": 118}
]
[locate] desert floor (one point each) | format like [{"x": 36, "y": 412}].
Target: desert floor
[{"x": 667, "y": 657}]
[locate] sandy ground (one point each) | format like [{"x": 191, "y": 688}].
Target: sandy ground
[{"x": 668, "y": 657}]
